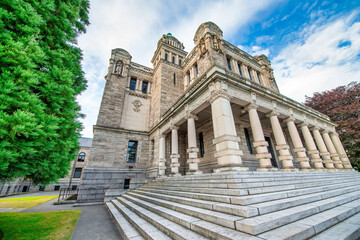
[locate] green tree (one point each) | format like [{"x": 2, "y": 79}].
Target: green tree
[
  {"x": 40, "y": 77},
  {"x": 342, "y": 105}
]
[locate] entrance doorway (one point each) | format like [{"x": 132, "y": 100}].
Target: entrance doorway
[{"x": 271, "y": 151}]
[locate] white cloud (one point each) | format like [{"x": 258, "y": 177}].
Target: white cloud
[
  {"x": 316, "y": 62},
  {"x": 137, "y": 26}
]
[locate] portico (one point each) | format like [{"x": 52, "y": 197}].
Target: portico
[{"x": 223, "y": 109}]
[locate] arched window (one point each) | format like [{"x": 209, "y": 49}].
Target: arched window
[{"x": 81, "y": 157}]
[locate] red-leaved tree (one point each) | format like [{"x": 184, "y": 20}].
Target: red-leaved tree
[{"x": 342, "y": 105}]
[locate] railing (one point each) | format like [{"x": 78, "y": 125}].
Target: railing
[{"x": 68, "y": 194}]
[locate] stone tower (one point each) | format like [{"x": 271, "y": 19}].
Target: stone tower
[{"x": 168, "y": 76}]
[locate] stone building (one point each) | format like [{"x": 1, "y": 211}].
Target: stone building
[
  {"x": 77, "y": 166},
  {"x": 215, "y": 109}
]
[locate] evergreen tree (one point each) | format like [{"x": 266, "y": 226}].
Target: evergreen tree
[
  {"x": 342, "y": 105},
  {"x": 40, "y": 76}
]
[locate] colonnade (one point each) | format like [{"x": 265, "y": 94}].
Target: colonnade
[{"x": 323, "y": 151}]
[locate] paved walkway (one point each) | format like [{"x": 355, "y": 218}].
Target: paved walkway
[{"x": 94, "y": 222}]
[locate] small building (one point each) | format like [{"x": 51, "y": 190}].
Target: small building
[{"x": 77, "y": 166}]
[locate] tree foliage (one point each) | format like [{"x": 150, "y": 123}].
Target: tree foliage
[
  {"x": 342, "y": 105},
  {"x": 40, "y": 76}
]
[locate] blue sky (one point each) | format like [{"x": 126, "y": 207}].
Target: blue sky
[{"x": 313, "y": 45}]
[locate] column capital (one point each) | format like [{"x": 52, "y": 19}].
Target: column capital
[
  {"x": 272, "y": 113},
  {"x": 334, "y": 133},
  {"x": 174, "y": 127},
  {"x": 303, "y": 124},
  {"x": 191, "y": 115},
  {"x": 289, "y": 119},
  {"x": 314, "y": 128},
  {"x": 252, "y": 105},
  {"x": 324, "y": 131},
  {"x": 215, "y": 94},
  {"x": 162, "y": 135}
]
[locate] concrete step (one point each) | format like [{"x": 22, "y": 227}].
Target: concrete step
[
  {"x": 150, "y": 220},
  {"x": 276, "y": 205},
  {"x": 254, "y": 175},
  {"x": 225, "y": 220},
  {"x": 242, "y": 211},
  {"x": 250, "y": 180},
  {"x": 346, "y": 230},
  {"x": 202, "y": 227},
  {"x": 242, "y": 189},
  {"x": 147, "y": 230},
  {"x": 230, "y": 192},
  {"x": 250, "y": 199},
  {"x": 262, "y": 223},
  {"x": 322, "y": 222},
  {"x": 126, "y": 230}
]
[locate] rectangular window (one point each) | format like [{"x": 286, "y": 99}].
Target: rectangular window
[
  {"x": 77, "y": 173},
  {"x": 174, "y": 79},
  {"x": 173, "y": 60},
  {"x": 144, "y": 87},
  {"x": 180, "y": 62},
  {"x": 239, "y": 66},
  {"x": 132, "y": 84},
  {"x": 229, "y": 63},
  {"x": 166, "y": 56},
  {"x": 250, "y": 74},
  {"x": 126, "y": 183},
  {"x": 188, "y": 77},
  {"x": 131, "y": 152},
  {"x": 73, "y": 187},
  {"x": 196, "y": 70},
  {"x": 57, "y": 188},
  {"x": 201, "y": 141},
  {"x": 259, "y": 78},
  {"x": 248, "y": 143}
]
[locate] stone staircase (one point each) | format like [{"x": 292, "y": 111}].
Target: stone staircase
[{"x": 242, "y": 205}]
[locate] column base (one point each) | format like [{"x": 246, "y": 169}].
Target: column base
[
  {"x": 289, "y": 169},
  {"x": 230, "y": 169},
  {"x": 267, "y": 169},
  {"x": 175, "y": 174},
  {"x": 306, "y": 169},
  {"x": 194, "y": 173}
]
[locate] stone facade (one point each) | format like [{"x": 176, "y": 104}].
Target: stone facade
[{"x": 215, "y": 109}]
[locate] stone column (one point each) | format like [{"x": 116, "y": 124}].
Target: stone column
[
  {"x": 246, "y": 72},
  {"x": 298, "y": 146},
  {"x": 281, "y": 145},
  {"x": 128, "y": 82},
  {"x": 192, "y": 150},
  {"x": 325, "y": 155},
  {"x": 311, "y": 147},
  {"x": 333, "y": 154},
  {"x": 149, "y": 88},
  {"x": 234, "y": 66},
  {"x": 174, "y": 151},
  {"x": 260, "y": 144},
  {"x": 162, "y": 159},
  {"x": 228, "y": 153},
  {"x": 341, "y": 151}
]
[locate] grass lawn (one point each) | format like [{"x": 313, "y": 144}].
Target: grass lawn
[
  {"x": 24, "y": 202},
  {"x": 38, "y": 225}
]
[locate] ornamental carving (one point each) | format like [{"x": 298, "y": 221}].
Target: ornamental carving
[{"x": 137, "y": 104}]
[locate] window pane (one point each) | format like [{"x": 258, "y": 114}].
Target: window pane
[
  {"x": 180, "y": 62},
  {"x": 239, "y": 66},
  {"x": 229, "y": 63},
  {"x": 248, "y": 143},
  {"x": 145, "y": 87},
  {"x": 131, "y": 152},
  {"x": 250, "y": 74},
  {"x": 166, "y": 56},
  {"x": 201, "y": 140},
  {"x": 77, "y": 173},
  {"x": 81, "y": 157},
  {"x": 132, "y": 84},
  {"x": 173, "y": 59},
  {"x": 196, "y": 70}
]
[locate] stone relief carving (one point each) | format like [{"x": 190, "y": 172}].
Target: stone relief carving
[
  {"x": 137, "y": 104},
  {"x": 216, "y": 44}
]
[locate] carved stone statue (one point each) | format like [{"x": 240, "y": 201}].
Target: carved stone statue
[{"x": 119, "y": 67}]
